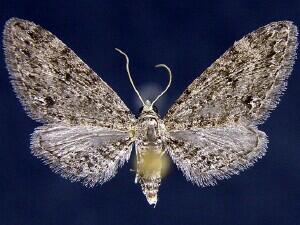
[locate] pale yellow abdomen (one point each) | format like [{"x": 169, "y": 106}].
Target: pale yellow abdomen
[{"x": 152, "y": 165}]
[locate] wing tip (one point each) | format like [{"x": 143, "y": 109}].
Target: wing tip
[
  {"x": 9, "y": 24},
  {"x": 286, "y": 68},
  {"x": 12, "y": 20},
  {"x": 11, "y": 69}
]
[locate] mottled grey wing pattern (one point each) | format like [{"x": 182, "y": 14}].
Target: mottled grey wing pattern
[
  {"x": 88, "y": 154},
  {"x": 54, "y": 85},
  {"x": 243, "y": 85},
  {"x": 86, "y": 133},
  {"x": 208, "y": 154},
  {"x": 212, "y": 125}
]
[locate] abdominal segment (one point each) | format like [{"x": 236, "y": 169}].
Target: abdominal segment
[{"x": 149, "y": 170}]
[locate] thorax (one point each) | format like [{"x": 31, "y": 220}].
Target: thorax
[{"x": 150, "y": 130}]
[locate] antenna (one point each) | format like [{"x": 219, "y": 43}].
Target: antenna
[
  {"x": 128, "y": 72},
  {"x": 170, "y": 81}
]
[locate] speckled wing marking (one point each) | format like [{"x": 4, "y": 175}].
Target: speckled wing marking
[
  {"x": 210, "y": 154},
  {"x": 212, "y": 125},
  {"x": 54, "y": 85},
  {"x": 88, "y": 154},
  {"x": 243, "y": 85},
  {"x": 86, "y": 135}
]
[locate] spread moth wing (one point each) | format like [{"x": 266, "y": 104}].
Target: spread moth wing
[
  {"x": 243, "y": 85},
  {"x": 86, "y": 136},
  {"x": 207, "y": 154},
  {"x": 233, "y": 95},
  {"x": 54, "y": 85},
  {"x": 88, "y": 154}
]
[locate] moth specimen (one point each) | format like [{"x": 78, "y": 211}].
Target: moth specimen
[{"x": 210, "y": 132}]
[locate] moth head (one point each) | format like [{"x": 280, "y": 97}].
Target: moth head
[{"x": 147, "y": 107}]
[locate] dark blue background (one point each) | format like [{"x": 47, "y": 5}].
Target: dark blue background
[{"x": 188, "y": 36}]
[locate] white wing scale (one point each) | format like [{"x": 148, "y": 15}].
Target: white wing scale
[
  {"x": 210, "y": 154},
  {"x": 82, "y": 153}
]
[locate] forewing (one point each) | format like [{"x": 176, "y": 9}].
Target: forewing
[
  {"x": 54, "y": 85},
  {"x": 211, "y": 154},
  {"x": 243, "y": 85},
  {"x": 82, "y": 153}
]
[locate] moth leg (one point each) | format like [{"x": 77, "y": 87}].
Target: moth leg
[
  {"x": 138, "y": 156},
  {"x": 162, "y": 153}
]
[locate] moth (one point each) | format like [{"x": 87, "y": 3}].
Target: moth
[{"x": 88, "y": 132}]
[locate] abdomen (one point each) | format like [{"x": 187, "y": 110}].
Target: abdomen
[{"x": 149, "y": 167}]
